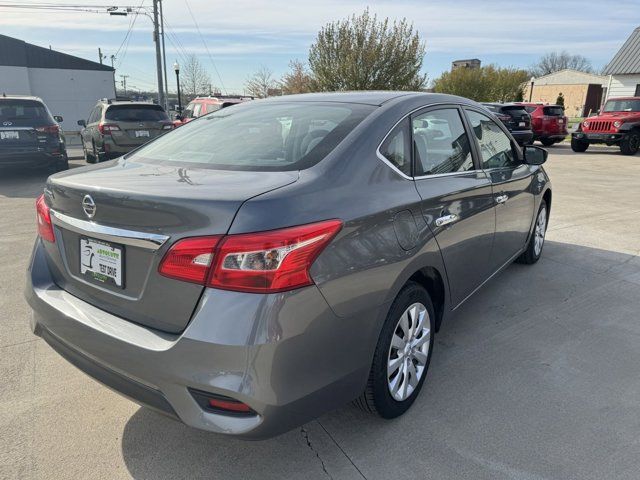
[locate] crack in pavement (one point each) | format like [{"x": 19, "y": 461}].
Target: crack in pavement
[{"x": 305, "y": 435}]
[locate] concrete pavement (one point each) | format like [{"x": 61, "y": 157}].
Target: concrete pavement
[{"x": 535, "y": 378}]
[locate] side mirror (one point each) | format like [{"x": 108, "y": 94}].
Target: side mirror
[
  {"x": 58, "y": 118},
  {"x": 82, "y": 123},
  {"x": 534, "y": 155}
]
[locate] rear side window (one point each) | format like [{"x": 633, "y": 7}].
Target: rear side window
[
  {"x": 530, "y": 109},
  {"x": 396, "y": 148},
  {"x": 212, "y": 107},
  {"x": 135, "y": 113},
  {"x": 258, "y": 136},
  {"x": 26, "y": 113},
  {"x": 440, "y": 143},
  {"x": 553, "y": 111},
  {"x": 495, "y": 145}
]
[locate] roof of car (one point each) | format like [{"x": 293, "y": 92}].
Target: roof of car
[
  {"x": 127, "y": 102},
  {"x": 372, "y": 97},
  {"x": 20, "y": 97}
]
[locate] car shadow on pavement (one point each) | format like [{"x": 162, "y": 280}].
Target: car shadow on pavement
[{"x": 536, "y": 325}]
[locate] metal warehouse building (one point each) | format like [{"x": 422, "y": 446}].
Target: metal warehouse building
[{"x": 70, "y": 86}]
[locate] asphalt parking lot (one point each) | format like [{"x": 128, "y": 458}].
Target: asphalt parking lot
[{"x": 537, "y": 377}]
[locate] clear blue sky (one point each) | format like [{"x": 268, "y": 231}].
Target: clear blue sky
[{"x": 244, "y": 35}]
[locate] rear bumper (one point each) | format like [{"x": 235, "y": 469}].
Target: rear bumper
[
  {"x": 30, "y": 159},
  {"x": 287, "y": 356},
  {"x": 608, "y": 138}
]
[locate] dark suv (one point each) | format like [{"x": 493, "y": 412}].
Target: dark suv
[
  {"x": 30, "y": 135},
  {"x": 515, "y": 118},
  {"x": 116, "y": 127}
]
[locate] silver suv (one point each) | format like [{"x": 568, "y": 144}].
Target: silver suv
[{"x": 117, "y": 127}]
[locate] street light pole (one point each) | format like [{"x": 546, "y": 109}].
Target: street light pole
[
  {"x": 164, "y": 61},
  {"x": 176, "y": 68},
  {"x": 533, "y": 79},
  {"x": 156, "y": 39}
]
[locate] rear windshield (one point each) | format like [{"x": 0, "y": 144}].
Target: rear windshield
[
  {"x": 135, "y": 113},
  {"x": 515, "y": 111},
  {"x": 554, "y": 111},
  {"x": 24, "y": 113},
  {"x": 258, "y": 136},
  {"x": 622, "y": 106}
]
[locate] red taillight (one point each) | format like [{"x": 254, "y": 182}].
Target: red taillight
[
  {"x": 43, "y": 216},
  {"x": 262, "y": 262},
  {"x": 189, "y": 259},
  {"x": 229, "y": 405},
  {"x": 50, "y": 129},
  {"x": 107, "y": 128}
]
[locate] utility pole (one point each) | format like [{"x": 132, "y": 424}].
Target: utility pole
[
  {"x": 100, "y": 55},
  {"x": 164, "y": 62},
  {"x": 156, "y": 39},
  {"x": 124, "y": 83}
]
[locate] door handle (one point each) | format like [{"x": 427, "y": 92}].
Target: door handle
[
  {"x": 446, "y": 220},
  {"x": 502, "y": 198}
]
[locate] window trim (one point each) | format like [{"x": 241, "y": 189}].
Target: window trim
[{"x": 426, "y": 108}]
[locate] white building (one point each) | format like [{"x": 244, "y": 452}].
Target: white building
[
  {"x": 624, "y": 69},
  {"x": 70, "y": 86}
]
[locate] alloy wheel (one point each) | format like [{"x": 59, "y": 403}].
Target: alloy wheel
[
  {"x": 540, "y": 231},
  {"x": 409, "y": 351}
]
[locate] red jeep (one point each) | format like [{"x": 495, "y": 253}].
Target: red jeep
[
  {"x": 548, "y": 122},
  {"x": 617, "y": 124}
]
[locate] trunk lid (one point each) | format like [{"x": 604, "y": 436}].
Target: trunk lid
[{"x": 140, "y": 210}]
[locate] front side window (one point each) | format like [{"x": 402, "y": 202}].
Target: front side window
[
  {"x": 440, "y": 143},
  {"x": 396, "y": 147},
  {"x": 258, "y": 136},
  {"x": 135, "y": 113},
  {"x": 495, "y": 145}
]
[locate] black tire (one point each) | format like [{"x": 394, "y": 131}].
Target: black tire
[
  {"x": 630, "y": 143},
  {"x": 579, "y": 146},
  {"x": 96, "y": 154},
  {"x": 377, "y": 398},
  {"x": 531, "y": 255},
  {"x": 547, "y": 142},
  {"x": 89, "y": 158},
  {"x": 63, "y": 164}
]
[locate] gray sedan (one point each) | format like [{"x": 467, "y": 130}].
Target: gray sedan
[{"x": 273, "y": 260}]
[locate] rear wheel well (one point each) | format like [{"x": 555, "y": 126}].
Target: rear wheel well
[{"x": 432, "y": 281}]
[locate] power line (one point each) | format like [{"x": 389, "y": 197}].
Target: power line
[{"x": 206, "y": 47}]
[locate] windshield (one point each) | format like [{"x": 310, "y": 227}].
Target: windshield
[
  {"x": 258, "y": 136},
  {"x": 24, "y": 113},
  {"x": 622, "y": 106},
  {"x": 136, "y": 113}
]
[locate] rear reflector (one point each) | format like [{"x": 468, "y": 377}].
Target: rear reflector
[
  {"x": 221, "y": 404},
  {"x": 262, "y": 262},
  {"x": 43, "y": 217}
]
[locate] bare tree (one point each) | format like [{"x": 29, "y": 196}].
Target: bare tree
[
  {"x": 554, "y": 61},
  {"x": 297, "y": 80},
  {"x": 362, "y": 53},
  {"x": 259, "y": 84},
  {"x": 194, "y": 79}
]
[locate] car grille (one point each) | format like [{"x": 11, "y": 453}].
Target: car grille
[{"x": 599, "y": 126}]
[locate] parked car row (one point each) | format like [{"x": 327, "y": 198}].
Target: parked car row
[{"x": 529, "y": 122}]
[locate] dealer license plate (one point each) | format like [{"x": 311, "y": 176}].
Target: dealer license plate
[
  {"x": 142, "y": 133},
  {"x": 101, "y": 261}
]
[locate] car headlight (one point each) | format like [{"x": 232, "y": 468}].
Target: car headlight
[
  {"x": 617, "y": 124},
  {"x": 585, "y": 124}
]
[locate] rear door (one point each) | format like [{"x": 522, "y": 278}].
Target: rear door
[
  {"x": 554, "y": 119},
  {"x": 512, "y": 187},
  {"x": 519, "y": 119},
  {"x": 457, "y": 198},
  {"x": 137, "y": 123}
]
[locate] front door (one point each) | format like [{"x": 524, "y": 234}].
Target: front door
[
  {"x": 512, "y": 187},
  {"x": 457, "y": 197}
]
